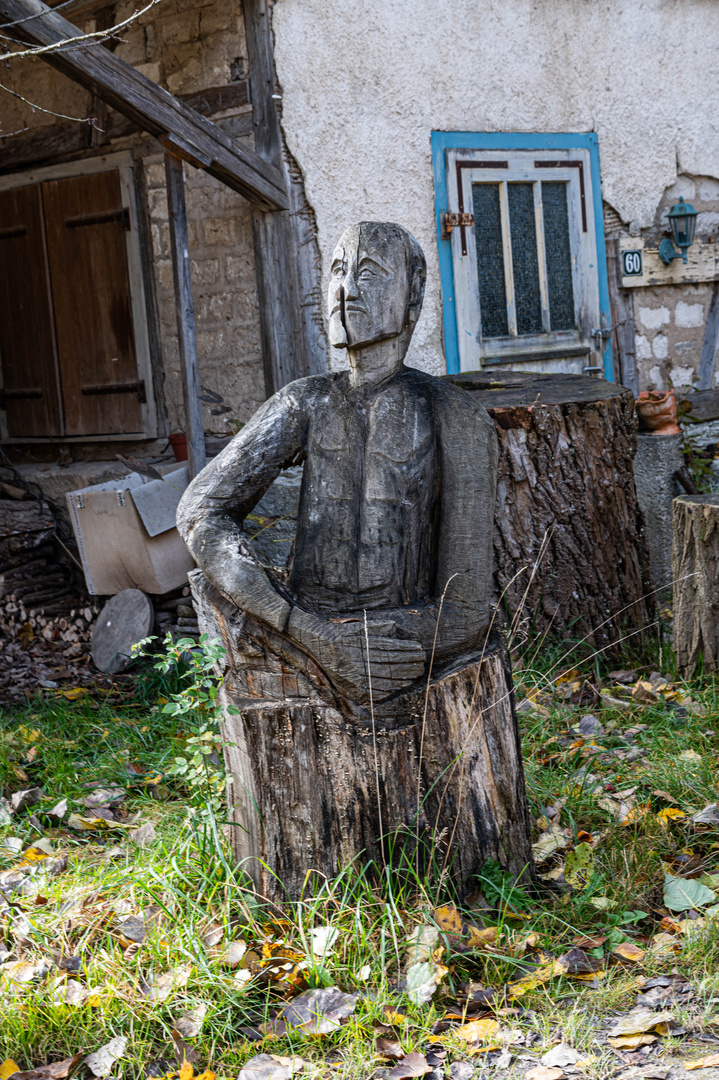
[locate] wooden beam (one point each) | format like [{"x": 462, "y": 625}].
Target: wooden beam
[
  {"x": 177, "y": 126},
  {"x": 184, "y": 308},
  {"x": 621, "y": 303},
  {"x": 286, "y": 256},
  {"x": 710, "y": 345}
]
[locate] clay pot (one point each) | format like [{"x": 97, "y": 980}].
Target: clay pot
[
  {"x": 657, "y": 412},
  {"x": 178, "y": 443}
]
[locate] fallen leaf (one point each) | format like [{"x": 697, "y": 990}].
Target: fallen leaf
[
  {"x": 422, "y": 944},
  {"x": 549, "y": 842},
  {"x": 448, "y": 919},
  {"x": 544, "y": 1072},
  {"x": 101, "y": 1062},
  {"x": 630, "y": 1042},
  {"x": 189, "y": 1024},
  {"x": 414, "y": 1064},
  {"x": 145, "y": 835},
  {"x": 682, "y": 894},
  {"x": 270, "y": 1067},
  {"x": 639, "y": 1021},
  {"x": 317, "y": 1012},
  {"x": 628, "y": 952},
  {"x": 186, "y": 1071},
  {"x": 477, "y": 1030},
  {"x": 422, "y": 981},
  {"x": 233, "y": 953},
  {"x": 560, "y": 1056},
  {"x": 96, "y": 824},
  {"x": 703, "y": 1063},
  {"x": 478, "y": 937},
  {"x": 670, "y": 813},
  {"x": 578, "y": 866},
  {"x": 7, "y": 1068},
  {"x": 183, "y": 1051},
  {"x": 708, "y": 816},
  {"x": 162, "y": 987},
  {"x": 321, "y": 940},
  {"x": 388, "y": 1048}
]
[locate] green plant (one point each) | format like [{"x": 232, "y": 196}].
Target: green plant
[
  {"x": 500, "y": 889},
  {"x": 197, "y": 708}
]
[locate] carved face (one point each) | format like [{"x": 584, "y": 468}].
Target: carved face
[{"x": 369, "y": 287}]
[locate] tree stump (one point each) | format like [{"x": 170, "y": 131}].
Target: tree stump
[
  {"x": 433, "y": 774},
  {"x": 695, "y": 570},
  {"x": 567, "y": 507}
]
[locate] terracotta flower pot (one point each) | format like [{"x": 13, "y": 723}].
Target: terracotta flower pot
[
  {"x": 178, "y": 443},
  {"x": 657, "y": 412}
]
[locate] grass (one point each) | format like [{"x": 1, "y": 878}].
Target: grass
[{"x": 188, "y": 887}]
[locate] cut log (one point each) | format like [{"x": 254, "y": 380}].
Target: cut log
[
  {"x": 125, "y": 619},
  {"x": 567, "y": 508},
  {"x": 695, "y": 569},
  {"x": 434, "y": 776}
]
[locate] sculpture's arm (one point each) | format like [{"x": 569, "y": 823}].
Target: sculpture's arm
[{"x": 211, "y": 511}]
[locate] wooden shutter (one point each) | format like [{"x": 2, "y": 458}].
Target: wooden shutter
[
  {"x": 30, "y": 389},
  {"x": 86, "y": 223}
]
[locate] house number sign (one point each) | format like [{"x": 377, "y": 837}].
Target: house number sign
[{"x": 632, "y": 264}]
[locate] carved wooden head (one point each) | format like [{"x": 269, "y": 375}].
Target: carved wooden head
[{"x": 376, "y": 284}]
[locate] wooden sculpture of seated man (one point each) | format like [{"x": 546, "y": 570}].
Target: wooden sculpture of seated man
[{"x": 397, "y": 502}]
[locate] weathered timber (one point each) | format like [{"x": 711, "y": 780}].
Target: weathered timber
[
  {"x": 286, "y": 252},
  {"x": 710, "y": 343},
  {"x": 185, "y": 312},
  {"x": 566, "y": 504},
  {"x": 621, "y": 303},
  {"x": 126, "y": 618},
  {"x": 699, "y": 405},
  {"x": 151, "y": 107},
  {"x": 24, "y": 526},
  {"x": 316, "y": 784},
  {"x": 695, "y": 569}
]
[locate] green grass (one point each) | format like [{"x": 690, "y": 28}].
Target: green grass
[{"x": 187, "y": 874}]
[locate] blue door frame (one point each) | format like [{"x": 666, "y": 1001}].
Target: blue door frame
[{"x": 472, "y": 140}]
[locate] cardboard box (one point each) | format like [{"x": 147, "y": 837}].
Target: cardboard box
[{"x": 126, "y": 535}]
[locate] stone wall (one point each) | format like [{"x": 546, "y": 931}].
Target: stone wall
[{"x": 185, "y": 46}]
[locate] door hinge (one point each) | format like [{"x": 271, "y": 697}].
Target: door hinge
[
  {"x": 453, "y": 221},
  {"x": 137, "y": 387}
]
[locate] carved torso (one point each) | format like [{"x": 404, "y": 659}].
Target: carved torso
[{"x": 368, "y": 514}]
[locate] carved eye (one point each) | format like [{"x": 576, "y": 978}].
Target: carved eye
[{"x": 366, "y": 272}]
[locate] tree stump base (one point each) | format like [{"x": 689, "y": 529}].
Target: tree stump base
[
  {"x": 695, "y": 572},
  {"x": 317, "y": 781}
]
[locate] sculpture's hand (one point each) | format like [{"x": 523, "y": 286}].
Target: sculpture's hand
[
  {"x": 248, "y": 586},
  {"x": 341, "y": 649}
]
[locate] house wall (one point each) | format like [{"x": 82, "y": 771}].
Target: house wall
[
  {"x": 365, "y": 84},
  {"x": 184, "y": 46}
]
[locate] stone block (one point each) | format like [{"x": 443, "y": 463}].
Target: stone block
[
  {"x": 181, "y": 28},
  {"x": 153, "y": 71},
  {"x": 219, "y": 231},
  {"x": 657, "y": 459},
  {"x": 205, "y": 271},
  {"x": 155, "y": 174}
]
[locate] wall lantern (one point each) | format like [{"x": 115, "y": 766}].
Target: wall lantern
[{"x": 683, "y": 220}]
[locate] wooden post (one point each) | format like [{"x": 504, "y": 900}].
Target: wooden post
[
  {"x": 186, "y": 340},
  {"x": 695, "y": 570},
  {"x": 621, "y": 304},
  {"x": 710, "y": 345},
  {"x": 286, "y": 258}
]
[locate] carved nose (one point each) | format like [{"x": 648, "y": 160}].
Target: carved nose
[{"x": 350, "y": 287}]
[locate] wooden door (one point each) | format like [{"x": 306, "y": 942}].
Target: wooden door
[
  {"x": 85, "y": 224},
  {"x": 30, "y": 393}
]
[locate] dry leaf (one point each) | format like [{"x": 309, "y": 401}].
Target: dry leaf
[
  {"x": 703, "y": 1063},
  {"x": 189, "y": 1024},
  {"x": 414, "y": 1064},
  {"x": 7, "y": 1068},
  {"x": 102, "y": 1061},
  {"x": 544, "y": 1072},
  {"x": 640, "y": 1020},
  {"x": 628, "y": 953},
  {"x": 186, "y": 1071},
  {"x": 448, "y": 919},
  {"x": 630, "y": 1042},
  {"x": 560, "y": 1056},
  {"x": 388, "y": 1048},
  {"x": 321, "y": 940},
  {"x": 477, "y": 1030},
  {"x": 318, "y": 1012},
  {"x": 271, "y": 1067}
]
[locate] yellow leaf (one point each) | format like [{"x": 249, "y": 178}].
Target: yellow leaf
[
  {"x": 207, "y": 1075},
  {"x": 477, "y": 937},
  {"x": 670, "y": 814},
  {"x": 701, "y": 1063},
  {"x": 186, "y": 1071},
  {"x": 34, "y": 854},
  {"x": 631, "y": 1042},
  {"x": 85, "y": 824},
  {"x": 635, "y": 814},
  {"x": 448, "y": 919},
  {"x": 629, "y": 952},
  {"x": 7, "y": 1068},
  {"x": 75, "y": 693},
  {"x": 477, "y": 1030}
]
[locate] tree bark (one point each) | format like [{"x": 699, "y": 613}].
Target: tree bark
[
  {"x": 431, "y": 777},
  {"x": 567, "y": 509},
  {"x": 695, "y": 570}
]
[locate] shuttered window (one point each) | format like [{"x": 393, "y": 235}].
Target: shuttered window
[{"x": 67, "y": 340}]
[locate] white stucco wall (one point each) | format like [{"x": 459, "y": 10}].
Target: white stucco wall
[{"x": 365, "y": 83}]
